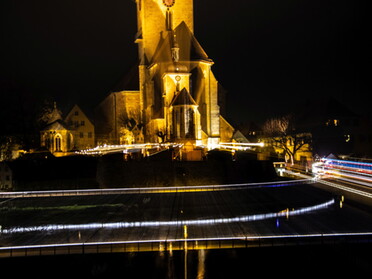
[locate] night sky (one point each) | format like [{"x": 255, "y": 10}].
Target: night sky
[{"x": 269, "y": 54}]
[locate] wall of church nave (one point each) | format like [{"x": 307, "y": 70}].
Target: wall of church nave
[
  {"x": 214, "y": 107},
  {"x": 104, "y": 121},
  {"x": 154, "y": 129},
  {"x": 57, "y": 140}
]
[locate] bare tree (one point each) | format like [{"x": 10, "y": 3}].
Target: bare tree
[
  {"x": 8, "y": 144},
  {"x": 162, "y": 135},
  {"x": 129, "y": 127},
  {"x": 49, "y": 113},
  {"x": 282, "y": 133}
]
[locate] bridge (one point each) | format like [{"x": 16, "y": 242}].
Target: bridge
[{"x": 292, "y": 212}]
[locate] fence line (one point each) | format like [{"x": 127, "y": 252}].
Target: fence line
[
  {"x": 149, "y": 190},
  {"x": 185, "y": 244}
]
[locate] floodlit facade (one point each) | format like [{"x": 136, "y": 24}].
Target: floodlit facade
[
  {"x": 178, "y": 96},
  {"x": 74, "y": 132},
  {"x": 81, "y": 127}
]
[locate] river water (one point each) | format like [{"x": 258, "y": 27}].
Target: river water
[{"x": 293, "y": 261}]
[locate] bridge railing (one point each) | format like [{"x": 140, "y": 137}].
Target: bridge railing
[
  {"x": 185, "y": 244},
  {"x": 147, "y": 190}
]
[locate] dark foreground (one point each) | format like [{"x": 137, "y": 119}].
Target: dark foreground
[{"x": 315, "y": 260}]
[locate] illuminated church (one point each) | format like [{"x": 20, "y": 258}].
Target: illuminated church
[{"x": 178, "y": 98}]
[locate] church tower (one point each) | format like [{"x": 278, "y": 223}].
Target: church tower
[
  {"x": 155, "y": 18},
  {"x": 179, "y": 93}
]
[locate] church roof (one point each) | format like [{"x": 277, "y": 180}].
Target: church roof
[
  {"x": 189, "y": 47},
  {"x": 55, "y": 120},
  {"x": 128, "y": 82},
  {"x": 183, "y": 98},
  {"x": 58, "y": 125}
]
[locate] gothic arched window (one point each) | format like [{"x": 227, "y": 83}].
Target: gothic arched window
[{"x": 58, "y": 143}]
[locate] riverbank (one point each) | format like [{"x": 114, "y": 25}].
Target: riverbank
[{"x": 114, "y": 171}]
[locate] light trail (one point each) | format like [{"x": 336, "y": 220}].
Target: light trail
[
  {"x": 171, "y": 244},
  {"x": 154, "y": 190},
  {"x": 357, "y": 179},
  {"x": 128, "y": 148},
  {"x": 333, "y": 184},
  {"x": 344, "y": 188},
  {"x": 243, "y": 143},
  {"x": 196, "y": 222},
  {"x": 239, "y": 146},
  {"x": 351, "y": 171}
]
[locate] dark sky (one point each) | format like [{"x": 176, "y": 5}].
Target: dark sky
[{"x": 269, "y": 54}]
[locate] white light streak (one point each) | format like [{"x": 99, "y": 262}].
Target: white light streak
[
  {"x": 180, "y": 223},
  {"x": 126, "y": 148},
  {"x": 335, "y": 185},
  {"x": 351, "y": 178},
  {"x": 154, "y": 190},
  {"x": 169, "y": 241},
  {"x": 261, "y": 144},
  {"x": 348, "y": 189}
]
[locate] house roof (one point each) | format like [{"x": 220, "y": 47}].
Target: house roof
[{"x": 81, "y": 113}]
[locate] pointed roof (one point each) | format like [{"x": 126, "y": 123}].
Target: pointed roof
[
  {"x": 71, "y": 113},
  {"x": 239, "y": 137},
  {"x": 57, "y": 126},
  {"x": 55, "y": 115},
  {"x": 130, "y": 81},
  {"x": 189, "y": 47},
  {"x": 183, "y": 98},
  {"x": 55, "y": 120}
]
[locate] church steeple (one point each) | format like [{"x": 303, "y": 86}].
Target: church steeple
[
  {"x": 175, "y": 49},
  {"x": 169, "y": 20},
  {"x": 155, "y": 18},
  {"x": 169, "y": 26}
]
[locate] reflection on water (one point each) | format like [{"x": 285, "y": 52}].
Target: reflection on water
[
  {"x": 232, "y": 263},
  {"x": 193, "y": 263},
  {"x": 315, "y": 261},
  {"x": 183, "y": 264},
  {"x": 201, "y": 264}
]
